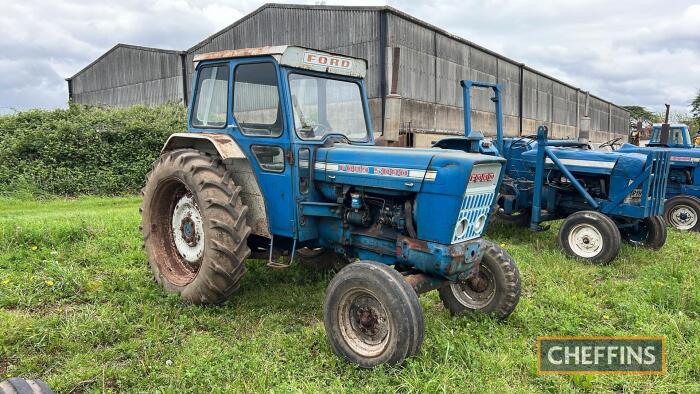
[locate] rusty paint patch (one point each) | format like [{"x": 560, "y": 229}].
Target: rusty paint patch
[
  {"x": 423, "y": 283},
  {"x": 232, "y": 53},
  {"x": 223, "y": 143}
]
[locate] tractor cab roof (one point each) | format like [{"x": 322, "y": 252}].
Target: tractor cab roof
[
  {"x": 297, "y": 57},
  {"x": 672, "y": 125}
]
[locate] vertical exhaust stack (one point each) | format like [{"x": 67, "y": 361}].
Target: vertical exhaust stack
[
  {"x": 392, "y": 118},
  {"x": 665, "y": 128},
  {"x": 391, "y": 122},
  {"x": 584, "y": 128}
]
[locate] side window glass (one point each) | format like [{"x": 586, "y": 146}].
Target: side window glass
[
  {"x": 256, "y": 104},
  {"x": 212, "y": 96},
  {"x": 269, "y": 157}
]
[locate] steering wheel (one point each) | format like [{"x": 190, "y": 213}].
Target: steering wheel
[
  {"x": 311, "y": 131},
  {"x": 611, "y": 143}
]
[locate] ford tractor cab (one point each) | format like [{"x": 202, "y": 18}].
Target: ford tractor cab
[
  {"x": 279, "y": 163},
  {"x": 682, "y": 207},
  {"x": 603, "y": 197}
]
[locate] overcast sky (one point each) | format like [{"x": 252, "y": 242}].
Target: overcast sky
[{"x": 627, "y": 51}]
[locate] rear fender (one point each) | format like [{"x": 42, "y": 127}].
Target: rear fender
[
  {"x": 236, "y": 163},
  {"x": 221, "y": 144}
]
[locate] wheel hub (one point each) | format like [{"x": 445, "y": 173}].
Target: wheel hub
[
  {"x": 478, "y": 283},
  {"x": 585, "y": 240},
  {"x": 188, "y": 229},
  {"x": 683, "y": 217},
  {"x": 364, "y": 323},
  {"x": 368, "y": 320},
  {"x": 477, "y": 291}
]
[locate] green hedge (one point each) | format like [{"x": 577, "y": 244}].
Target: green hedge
[{"x": 83, "y": 150}]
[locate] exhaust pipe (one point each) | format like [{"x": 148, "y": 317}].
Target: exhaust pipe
[
  {"x": 665, "y": 128},
  {"x": 584, "y": 128}
]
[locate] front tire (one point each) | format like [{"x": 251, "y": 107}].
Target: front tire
[
  {"x": 590, "y": 235},
  {"x": 372, "y": 315},
  {"x": 683, "y": 213},
  {"x": 194, "y": 226},
  {"x": 497, "y": 291},
  {"x": 649, "y": 232}
]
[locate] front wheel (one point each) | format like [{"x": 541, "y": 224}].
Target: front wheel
[
  {"x": 649, "y": 232},
  {"x": 590, "y": 235},
  {"x": 496, "y": 290},
  {"x": 372, "y": 315},
  {"x": 683, "y": 213}
]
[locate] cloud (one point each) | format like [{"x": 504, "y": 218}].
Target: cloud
[{"x": 630, "y": 52}]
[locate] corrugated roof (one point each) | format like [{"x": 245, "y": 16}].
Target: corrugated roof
[
  {"x": 128, "y": 46},
  {"x": 353, "y": 8},
  {"x": 397, "y": 12}
]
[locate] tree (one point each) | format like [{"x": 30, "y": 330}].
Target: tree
[
  {"x": 695, "y": 108},
  {"x": 641, "y": 114}
]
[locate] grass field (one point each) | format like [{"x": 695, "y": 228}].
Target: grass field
[{"x": 79, "y": 310}]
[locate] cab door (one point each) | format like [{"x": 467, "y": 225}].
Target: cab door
[{"x": 258, "y": 125}]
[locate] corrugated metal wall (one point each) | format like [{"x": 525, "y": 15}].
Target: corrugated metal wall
[
  {"x": 128, "y": 75},
  {"x": 433, "y": 62},
  {"x": 425, "y": 62}
]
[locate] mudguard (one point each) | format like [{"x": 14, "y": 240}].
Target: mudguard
[
  {"x": 241, "y": 171},
  {"x": 222, "y": 144}
]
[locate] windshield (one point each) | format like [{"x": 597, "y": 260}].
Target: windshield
[
  {"x": 325, "y": 106},
  {"x": 675, "y": 135}
]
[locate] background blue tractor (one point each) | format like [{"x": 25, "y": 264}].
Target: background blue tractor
[
  {"x": 280, "y": 160},
  {"x": 604, "y": 197},
  {"x": 682, "y": 207}
]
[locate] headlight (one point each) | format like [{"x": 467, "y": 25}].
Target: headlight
[{"x": 461, "y": 227}]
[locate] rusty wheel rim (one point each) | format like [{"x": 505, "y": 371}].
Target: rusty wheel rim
[
  {"x": 364, "y": 323},
  {"x": 179, "y": 230},
  {"x": 476, "y": 293}
]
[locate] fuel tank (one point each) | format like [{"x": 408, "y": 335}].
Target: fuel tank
[{"x": 405, "y": 169}]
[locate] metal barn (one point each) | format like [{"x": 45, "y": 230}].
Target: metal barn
[{"x": 414, "y": 67}]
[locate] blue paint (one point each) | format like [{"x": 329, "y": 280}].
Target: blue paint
[{"x": 684, "y": 174}]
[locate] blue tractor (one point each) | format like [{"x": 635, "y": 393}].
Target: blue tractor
[
  {"x": 279, "y": 162},
  {"x": 604, "y": 197},
  {"x": 682, "y": 207}
]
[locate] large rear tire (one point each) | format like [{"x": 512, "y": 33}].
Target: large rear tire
[
  {"x": 372, "y": 315},
  {"x": 194, "y": 226},
  {"x": 590, "y": 235},
  {"x": 683, "y": 213},
  {"x": 649, "y": 232},
  {"x": 496, "y": 292}
]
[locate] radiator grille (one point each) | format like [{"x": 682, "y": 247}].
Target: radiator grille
[
  {"x": 476, "y": 205},
  {"x": 475, "y": 209}
]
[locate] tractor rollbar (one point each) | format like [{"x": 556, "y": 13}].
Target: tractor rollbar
[{"x": 466, "y": 89}]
